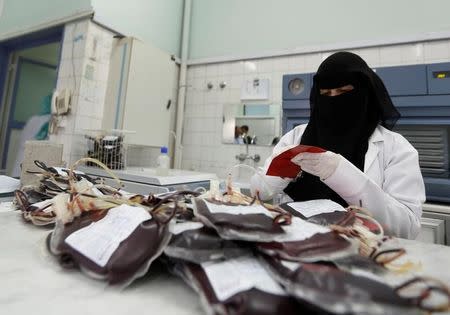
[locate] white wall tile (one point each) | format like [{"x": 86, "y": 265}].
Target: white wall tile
[
  {"x": 265, "y": 75},
  {"x": 199, "y": 97},
  {"x": 199, "y": 71},
  {"x": 218, "y": 110},
  {"x": 66, "y": 52},
  {"x": 212, "y": 70},
  {"x": 237, "y": 67},
  {"x": 76, "y": 67},
  {"x": 96, "y": 123},
  {"x": 236, "y": 81},
  {"x": 190, "y": 94},
  {"x": 312, "y": 61},
  {"x": 436, "y": 51},
  {"x": 186, "y": 164},
  {"x": 85, "y": 107},
  {"x": 390, "y": 55},
  {"x": 189, "y": 73},
  {"x": 227, "y": 68},
  {"x": 78, "y": 47},
  {"x": 325, "y": 55},
  {"x": 370, "y": 55},
  {"x": 412, "y": 53},
  {"x": 235, "y": 95},
  {"x": 297, "y": 63},
  {"x": 250, "y": 67},
  {"x": 223, "y": 95},
  {"x": 221, "y": 69},
  {"x": 211, "y": 96},
  {"x": 266, "y": 65},
  {"x": 277, "y": 95},
  {"x": 277, "y": 79},
  {"x": 281, "y": 64},
  {"x": 203, "y": 116},
  {"x": 195, "y": 110},
  {"x": 199, "y": 83}
]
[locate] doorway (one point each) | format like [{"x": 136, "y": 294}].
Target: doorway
[{"x": 30, "y": 78}]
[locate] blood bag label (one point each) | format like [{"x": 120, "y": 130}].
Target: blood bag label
[
  {"x": 241, "y": 274},
  {"x": 44, "y": 204},
  {"x": 314, "y": 207},
  {"x": 299, "y": 230},
  {"x": 177, "y": 228},
  {"x": 236, "y": 210},
  {"x": 100, "y": 239}
]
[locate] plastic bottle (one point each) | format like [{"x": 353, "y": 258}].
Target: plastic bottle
[{"x": 163, "y": 163}]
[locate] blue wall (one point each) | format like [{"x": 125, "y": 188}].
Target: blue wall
[
  {"x": 235, "y": 27},
  {"x": 157, "y": 22},
  {"x": 19, "y": 15}
]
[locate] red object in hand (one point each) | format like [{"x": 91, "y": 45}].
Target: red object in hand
[{"x": 282, "y": 166}]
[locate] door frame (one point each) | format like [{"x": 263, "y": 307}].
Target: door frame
[
  {"x": 11, "y": 123},
  {"x": 7, "y": 49}
]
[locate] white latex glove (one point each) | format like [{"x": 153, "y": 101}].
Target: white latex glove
[
  {"x": 258, "y": 183},
  {"x": 267, "y": 186},
  {"x": 322, "y": 165}
]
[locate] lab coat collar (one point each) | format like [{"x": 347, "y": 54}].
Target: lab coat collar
[{"x": 372, "y": 149}]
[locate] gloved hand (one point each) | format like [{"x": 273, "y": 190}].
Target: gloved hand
[
  {"x": 258, "y": 184},
  {"x": 267, "y": 186},
  {"x": 322, "y": 165}
]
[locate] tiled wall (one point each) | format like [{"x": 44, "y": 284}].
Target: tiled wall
[
  {"x": 84, "y": 70},
  {"x": 203, "y": 148}
]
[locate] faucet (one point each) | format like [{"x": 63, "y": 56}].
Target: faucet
[{"x": 245, "y": 156}]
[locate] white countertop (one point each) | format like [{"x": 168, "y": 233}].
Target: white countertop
[
  {"x": 148, "y": 175},
  {"x": 32, "y": 282}
]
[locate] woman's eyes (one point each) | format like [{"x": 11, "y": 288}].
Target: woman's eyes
[{"x": 336, "y": 92}]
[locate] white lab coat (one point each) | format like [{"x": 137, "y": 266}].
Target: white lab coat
[{"x": 391, "y": 187}]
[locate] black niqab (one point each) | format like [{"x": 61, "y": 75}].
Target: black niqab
[{"x": 344, "y": 123}]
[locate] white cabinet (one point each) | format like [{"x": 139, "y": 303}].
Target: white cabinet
[
  {"x": 140, "y": 93},
  {"x": 433, "y": 231}
]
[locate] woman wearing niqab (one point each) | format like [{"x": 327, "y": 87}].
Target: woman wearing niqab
[{"x": 366, "y": 163}]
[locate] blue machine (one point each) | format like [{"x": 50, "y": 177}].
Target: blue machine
[{"x": 422, "y": 95}]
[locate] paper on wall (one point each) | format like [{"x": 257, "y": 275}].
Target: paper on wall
[
  {"x": 314, "y": 207},
  {"x": 100, "y": 239},
  {"x": 241, "y": 274}
]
